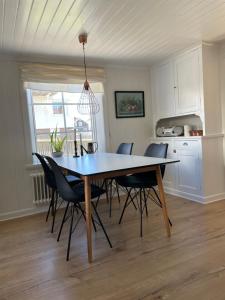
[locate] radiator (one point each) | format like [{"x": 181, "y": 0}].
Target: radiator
[{"x": 41, "y": 192}]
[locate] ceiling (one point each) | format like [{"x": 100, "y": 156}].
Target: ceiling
[{"x": 119, "y": 31}]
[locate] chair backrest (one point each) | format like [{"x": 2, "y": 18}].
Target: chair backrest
[
  {"x": 157, "y": 150},
  {"x": 63, "y": 187},
  {"x": 125, "y": 148},
  {"x": 49, "y": 175}
]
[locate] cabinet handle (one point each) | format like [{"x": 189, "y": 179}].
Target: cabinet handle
[
  {"x": 174, "y": 151},
  {"x": 185, "y": 144},
  {"x": 174, "y": 87}
]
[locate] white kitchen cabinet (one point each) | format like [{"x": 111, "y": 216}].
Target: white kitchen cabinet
[
  {"x": 183, "y": 178},
  {"x": 188, "y": 169},
  {"x": 194, "y": 78},
  {"x": 187, "y": 83},
  {"x": 163, "y": 90},
  {"x": 169, "y": 178},
  {"x": 170, "y": 172},
  {"x": 176, "y": 86}
]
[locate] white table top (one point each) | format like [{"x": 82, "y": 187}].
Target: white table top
[{"x": 98, "y": 163}]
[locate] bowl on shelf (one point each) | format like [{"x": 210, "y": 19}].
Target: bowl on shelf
[{"x": 198, "y": 132}]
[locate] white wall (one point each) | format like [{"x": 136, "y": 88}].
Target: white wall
[
  {"x": 15, "y": 183},
  {"x": 15, "y": 191},
  {"x": 211, "y": 89},
  {"x": 222, "y": 88},
  {"x": 137, "y": 130}
]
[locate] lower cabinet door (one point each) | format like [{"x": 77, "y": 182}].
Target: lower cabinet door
[
  {"x": 188, "y": 171},
  {"x": 169, "y": 178}
]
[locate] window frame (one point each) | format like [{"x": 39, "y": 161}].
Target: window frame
[{"x": 31, "y": 115}]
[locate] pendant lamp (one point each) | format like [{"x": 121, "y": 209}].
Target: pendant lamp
[{"x": 88, "y": 103}]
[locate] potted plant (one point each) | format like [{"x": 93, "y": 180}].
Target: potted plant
[{"x": 56, "y": 143}]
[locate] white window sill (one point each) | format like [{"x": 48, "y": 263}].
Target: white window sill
[{"x": 34, "y": 165}]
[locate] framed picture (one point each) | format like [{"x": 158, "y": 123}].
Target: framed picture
[{"x": 129, "y": 104}]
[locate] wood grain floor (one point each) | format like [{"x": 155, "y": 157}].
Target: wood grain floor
[{"x": 189, "y": 265}]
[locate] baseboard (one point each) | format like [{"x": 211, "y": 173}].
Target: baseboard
[
  {"x": 38, "y": 208},
  {"x": 43, "y": 208},
  {"x": 194, "y": 197},
  {"x": 22, "y": 213},
  {"x": 214, "y": 198}
]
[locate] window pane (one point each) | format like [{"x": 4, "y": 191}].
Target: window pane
[
  {"x": 51, "y": 109},
  {"x": 74, "y": 118},
  {"x": 72, "y": 98},
  {"x": 46, "y": 97},
  {"x": 82, "y": 123},
  {"x": 46, "y": 118},
  {"x": 43, "y": 144}
]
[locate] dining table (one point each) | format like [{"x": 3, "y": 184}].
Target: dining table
[{"x": 101, "y": 165}]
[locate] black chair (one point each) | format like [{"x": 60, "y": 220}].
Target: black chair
[
  {"x": 109, "y": 183},
  {"x": 125, "y": 148},
  {"x": 51, "y": 182},
  {"x": 74, "y": 196},
  {"x": 141, "y": 184}
]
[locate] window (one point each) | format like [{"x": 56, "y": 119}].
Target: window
[{"x": 49, "y": 108}]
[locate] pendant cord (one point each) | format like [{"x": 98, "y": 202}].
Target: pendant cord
[
  {"x": 85, "y": 67},
  {"x": 88, "y": 104}
]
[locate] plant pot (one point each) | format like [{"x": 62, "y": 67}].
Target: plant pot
[{"x": 57, "y": 154}]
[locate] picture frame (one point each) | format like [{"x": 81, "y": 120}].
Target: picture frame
[{"x": 129, "y": 104}]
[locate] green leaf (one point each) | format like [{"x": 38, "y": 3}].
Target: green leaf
[{"x": 55, "y": 141}]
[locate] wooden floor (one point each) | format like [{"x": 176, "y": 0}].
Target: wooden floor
[{"x": 189, "y": 265}]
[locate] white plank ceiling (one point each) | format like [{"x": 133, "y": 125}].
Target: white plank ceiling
[{"x": 122, "y": 31}]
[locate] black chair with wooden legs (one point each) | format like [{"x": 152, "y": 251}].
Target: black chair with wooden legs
[
  {"x": 51, "y": 183},
  {"x": 109, "y": 183},
  {"x": 74, "y": 196},
  {"x": 139, "y": 186}
]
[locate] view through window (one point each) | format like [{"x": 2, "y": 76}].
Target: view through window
[{"x": 51, "y": 109}]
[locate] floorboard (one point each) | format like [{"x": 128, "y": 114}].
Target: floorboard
[{"x": 189, "y": 265}]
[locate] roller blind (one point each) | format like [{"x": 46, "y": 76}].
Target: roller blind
[
  {"x": 61, "y": 74},
  {"x": 63, "y": 78}
]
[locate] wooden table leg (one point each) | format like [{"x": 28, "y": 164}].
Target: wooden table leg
[
  {"x": 87, "y": 190},
  {"x": 162, "y": 198}
]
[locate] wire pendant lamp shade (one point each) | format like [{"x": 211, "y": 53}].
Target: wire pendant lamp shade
[{"x": 88, "y": 103}]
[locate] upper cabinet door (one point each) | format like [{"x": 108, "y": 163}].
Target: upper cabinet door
[
  {"x": 187, "y": 83},
  {"x": 163, "y": 90}
]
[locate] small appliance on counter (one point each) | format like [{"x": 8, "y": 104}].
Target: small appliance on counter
[{"x": 170, "y": 131}]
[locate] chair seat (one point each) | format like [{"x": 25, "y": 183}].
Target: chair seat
[
  {"x": 73, "y": 179},
  {"x": 142, "y": 180},
  {"x": 80, "y": 195}
]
